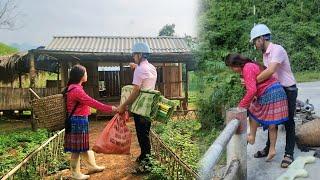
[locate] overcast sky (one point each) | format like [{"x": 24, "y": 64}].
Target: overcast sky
[{"x": 43, "y": 19}]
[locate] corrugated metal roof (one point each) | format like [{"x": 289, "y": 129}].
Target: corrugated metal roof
[{"x": 117, "y": 44}]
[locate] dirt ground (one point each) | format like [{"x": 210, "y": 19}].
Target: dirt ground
[
  {"x": 11, "y": 125},
  {"x": 118, "y": 167}
]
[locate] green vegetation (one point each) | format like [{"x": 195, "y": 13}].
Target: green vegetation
[
  {"x": 40, "y": 78},
  {"x": 186, "y": 139},
  {"x": 157, "y": 170},
  {"x": 4, "y": 49},
  {"x": 167, "y": 30},
  {"x": 307, "y": 76},
  {"x": 15, "y": 146}
]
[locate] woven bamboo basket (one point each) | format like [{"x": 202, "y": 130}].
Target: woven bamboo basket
[
  {"x": 308, "y": 134},
  {"x": 50, "y": 112}
]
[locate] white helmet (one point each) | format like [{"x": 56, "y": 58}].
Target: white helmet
[
  {"x": 141, "y": 47},
  {"x": 259, "y": 30}
]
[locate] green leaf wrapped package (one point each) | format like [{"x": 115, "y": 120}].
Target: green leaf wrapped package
[
  {"x": 165, "y": 110},
  {"x": 146, "y": 103},
  {"x": 149, "y": 104}
]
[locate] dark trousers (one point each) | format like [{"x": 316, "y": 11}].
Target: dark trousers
[
  {"x": 292, "y": 93},
  {"x": 143, "y": 128}
]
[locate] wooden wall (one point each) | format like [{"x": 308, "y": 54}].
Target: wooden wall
[
  {"x": 114, "y": 82},
  {"x": 169, "y": 81},
  {"x": 92, "y": 85},
  {"x": 19, "y": 98},
  {"x": 172, "y": 81}
]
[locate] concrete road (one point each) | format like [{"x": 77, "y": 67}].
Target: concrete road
[{"x": 311, "y": 91}]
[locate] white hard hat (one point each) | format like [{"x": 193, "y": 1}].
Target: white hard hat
[
  {"x": 259, "y": 30},
  {"x": 141, "y": 48}
]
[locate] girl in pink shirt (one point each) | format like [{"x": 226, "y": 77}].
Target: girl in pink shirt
[
  {"x": 266, "y": 102},
  {"x": 77, "y": 126}
]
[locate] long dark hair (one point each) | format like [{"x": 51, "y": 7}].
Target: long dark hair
[
  {"x": 237, "y": 60},
  {"x": 76, "y": 74}
]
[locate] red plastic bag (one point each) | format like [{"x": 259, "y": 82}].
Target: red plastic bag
[{"x": 115, "y": 138}]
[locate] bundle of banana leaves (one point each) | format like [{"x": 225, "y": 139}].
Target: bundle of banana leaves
[
  {"x": 149, "y": 104},
  {"x": 165, "y": 110},
  {"x": 146, "y": 103}
]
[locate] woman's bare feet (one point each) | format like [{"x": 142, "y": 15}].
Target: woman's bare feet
[
  {"x": 271, "y": 155},
  {"x": 251, "y": 139}
]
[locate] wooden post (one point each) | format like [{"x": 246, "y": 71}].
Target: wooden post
[
  {"x": 32, "y": 73},
  {"x": 58, "y": 77},
  {"x": 186, "y": 94},
  {"x": 121, "y": 76},
  {"x": 20, "y": 81},
  {"x": 92, "y": 85},
  {"x": 164, "y": 70},
  {"x": 64, "y": 74},
  {"x": 237, "y": 146},
  {"x": 180, "y": 73},
  {"x": 95, "y": 78}
]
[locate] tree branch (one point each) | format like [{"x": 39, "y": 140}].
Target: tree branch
[{"x": 8, "y": 14}]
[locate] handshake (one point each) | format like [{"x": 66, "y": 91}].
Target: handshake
[{"x": 120, "y": 109}]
